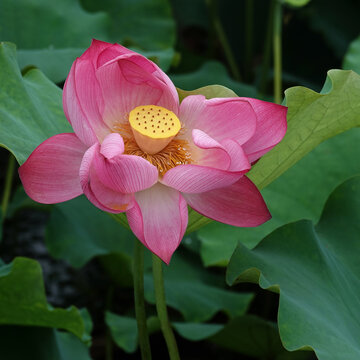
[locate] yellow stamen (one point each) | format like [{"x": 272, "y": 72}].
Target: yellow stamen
[
  {"x": 153, "y": 127},
  {"x": 177, "y": 152}
]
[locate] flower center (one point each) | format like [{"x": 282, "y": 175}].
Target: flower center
[{"x": 153, "y": 127}]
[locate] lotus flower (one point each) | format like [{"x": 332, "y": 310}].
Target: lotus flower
[{"x": 136, "y": 149}]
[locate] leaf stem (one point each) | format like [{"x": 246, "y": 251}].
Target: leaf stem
[
  {"x": 162, "y": 310},
  {"x": 277, "y": 52},
  {"x": 138, "y": 274},
  {"x": 212, "y": 4},
  {"x": 8, "y": 184}
]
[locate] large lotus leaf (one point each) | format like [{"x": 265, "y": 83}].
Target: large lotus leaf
[
  {"x": 212, "y": 72},
  {"x": 316, "y": 269},
  {"x": 30, "y": 107},
  {"x": 38, "y": 343},
  {"x": 23, "y": 300},
  {"x": 352, "y": 56},
  {"x": 78, "y": 231},
  {"x": 64, "y": 29},
  {"x": 300, "y": 193}
]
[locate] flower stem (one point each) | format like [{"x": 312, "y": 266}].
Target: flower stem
[
  {"x": 223, "y": 39},
  {"x": 267, "y": 50},
  {"x": 138, "y": 274},
  {"x": 8, "y": 183},
  {"x": 161, "y": 309},
  {"x": 277, "y": 52}
]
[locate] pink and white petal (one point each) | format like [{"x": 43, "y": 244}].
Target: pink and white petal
[
  {"x": 163, "y": 215},
  {"x": 270, "y": 129},
  {"x": 111, "y": 52},
  {"x": 239, "y": 159},
  {"x": 101, "y": 196},
  {"x": 226, "y": 155},
  {"x": 112, "y": 146},
  {"x": 51, "y": 173},
  {"x": 126, "y": 83},
  {"x": 125, "y": 173},
  {"x": 95, "y": 49},
  {"x": 82, "y": 99},
  {"x": 209, "y": 152},
  {"x": 220, "y": 118},
  {"x": 218, "y": 165},
  {"x": 112, "y": 201},
  {"x": 239, "y": 204},
  {"x": 197, "y": 179}
]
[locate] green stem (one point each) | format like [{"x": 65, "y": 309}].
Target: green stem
[
  {"x": 138, "y": 274},
  {"x": 267, "y": 50},
  {"x": 249, "y": 17},
  {"x": 223, "y": 39},
  {"x": 277, "y": 52},
  {"x": 161, "y": 309},
  {"x": 8, "y": 183}
]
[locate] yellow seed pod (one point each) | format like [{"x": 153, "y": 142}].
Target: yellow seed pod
[{"x": 153, "y": 127}]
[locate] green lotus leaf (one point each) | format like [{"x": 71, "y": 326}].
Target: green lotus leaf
[
  {"x": 316, "y": 270},
  {"x": 23, "y": 300}
]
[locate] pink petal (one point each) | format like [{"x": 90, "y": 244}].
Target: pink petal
[
  {"x": 196, "y": 179},
  {"x": 220, "y": 118},
  {"x": 210, "y": 153},
  {"x": 112, "y": 146},
  {"x": 159, "y": 220},
  {"x": 111, "y": 52},
  {"x": 220, "y": 165},
  {"x": 130, "y": 81},
  {"x": 239, "y": 160},
  {"x": 51, "y": 173},
  {"x": 101, "y": 196},
  {"x": 239, "y": 204},
  {"x": 122, "y": 173},
  {"x": 82, "y": 97},
  {"x": 270, "y": 129}
]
